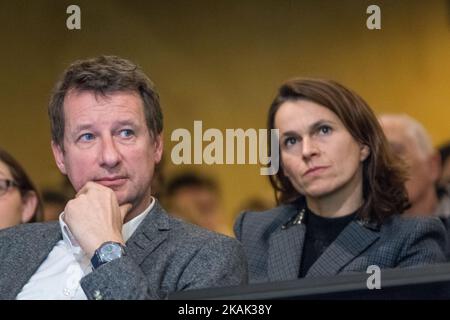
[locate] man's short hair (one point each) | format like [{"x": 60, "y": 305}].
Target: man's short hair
[
  {"x": 104, "y": 75},
  {"x": 414, "y": 129},
  {"x": 190, "y": 180}
]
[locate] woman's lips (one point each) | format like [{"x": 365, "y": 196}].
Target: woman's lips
[{"x": 315, "y": 170}]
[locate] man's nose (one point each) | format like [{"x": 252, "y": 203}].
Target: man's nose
[{"x": 110, "y": 155}]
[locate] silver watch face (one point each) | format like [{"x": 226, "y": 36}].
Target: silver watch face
[{"x": 110, "y": 251}]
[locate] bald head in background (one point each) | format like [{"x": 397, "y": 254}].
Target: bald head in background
[{"x": 411, "y": 142}]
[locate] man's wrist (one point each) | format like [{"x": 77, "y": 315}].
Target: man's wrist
[{"x": 107, "y": 252}]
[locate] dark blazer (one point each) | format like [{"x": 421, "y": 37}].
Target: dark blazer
[
  {"x": 274, "y": 252},
  {"x": 164, "y": 255}
]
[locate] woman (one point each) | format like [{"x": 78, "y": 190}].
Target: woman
[
  {"x": 19, "y": 200},
  {"x": 341, "y": 192}
]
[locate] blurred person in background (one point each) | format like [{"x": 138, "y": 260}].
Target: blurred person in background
[
  {"x": 410, "y": 141},
  {"x": 196, "y": 199},
  {"x": 54, "y": 203},
  {"x": 19, "y": 198},
  {"x": 444, "y": 179}
]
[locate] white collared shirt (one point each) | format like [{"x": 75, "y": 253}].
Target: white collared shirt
[{"x": 58, "y": 277}]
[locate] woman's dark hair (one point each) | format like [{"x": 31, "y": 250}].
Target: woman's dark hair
[
  {"x": 384, "y": 173},
  {"x": 24, "y": 183}
]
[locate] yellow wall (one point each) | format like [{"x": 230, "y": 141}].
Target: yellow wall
[{"x": 221, "y": 61}]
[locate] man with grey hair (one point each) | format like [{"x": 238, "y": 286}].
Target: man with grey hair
[{"x": 411, "y": 142}]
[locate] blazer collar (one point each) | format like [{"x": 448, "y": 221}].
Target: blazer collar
[
  {"x": 287, "y": 241},
  {"x": 286, "y": 246},
  {"x": 285, "y": 249},
  {"x": 23, "y": 263},
  {"x": 150, "y": 234},
  {"x": 349, "y": 244}
]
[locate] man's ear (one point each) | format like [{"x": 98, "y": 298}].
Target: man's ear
[
  {"x": 58, "y": 153},
  {"x": 158, "y": 148},
  {"x": 365, "y": 152},
  {"x": 435, "y": 166},
  {"x": 29, "y": 204}
]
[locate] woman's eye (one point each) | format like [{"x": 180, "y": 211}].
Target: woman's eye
[
  {"x": 325, "y": 130},
  {"x": 86, "y": 137},
  {"x": 126, "y": 133},
  {"x": 290, "y": 141}
]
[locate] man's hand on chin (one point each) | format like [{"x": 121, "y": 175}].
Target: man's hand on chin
[{"x": 94, "y": 217}]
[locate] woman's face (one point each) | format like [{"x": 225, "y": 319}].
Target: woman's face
[
  {"x": 318, "y": 155},
  {"x": 11, "y": 205}
]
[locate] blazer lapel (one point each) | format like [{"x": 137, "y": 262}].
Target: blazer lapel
[
  {"x": 353, "y": 240},
  {"x": 285, "y": 248},
  {"x": 150, "y": 234},
  {"x": 25, "y": 259}
]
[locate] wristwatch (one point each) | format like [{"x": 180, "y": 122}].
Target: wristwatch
[{"x": 107, "y": 252}]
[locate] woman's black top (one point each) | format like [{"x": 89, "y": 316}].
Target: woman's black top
[{"x": 320, "y": 233}]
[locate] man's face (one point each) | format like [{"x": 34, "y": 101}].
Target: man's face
[
  {"x": 420, "y": 175},
  {"x": 106, "y": 140}
]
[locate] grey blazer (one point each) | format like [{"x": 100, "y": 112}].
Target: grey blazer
[
  {"x": 164, "y": 255},
  {"x": 274, "y": 252}
]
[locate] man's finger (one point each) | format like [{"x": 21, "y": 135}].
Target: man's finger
[
  {"x": 85, "y": 188},
  {"x": 90, "y": 185}
]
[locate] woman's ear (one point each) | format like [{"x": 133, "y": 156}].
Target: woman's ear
[
  {"x": 29, "y": 205},
  {"x": 365, "y": 152}
]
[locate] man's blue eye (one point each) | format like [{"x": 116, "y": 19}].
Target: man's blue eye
[
  {"x": 87, "y": 137},
  {"x": 126, "y": 133}
]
